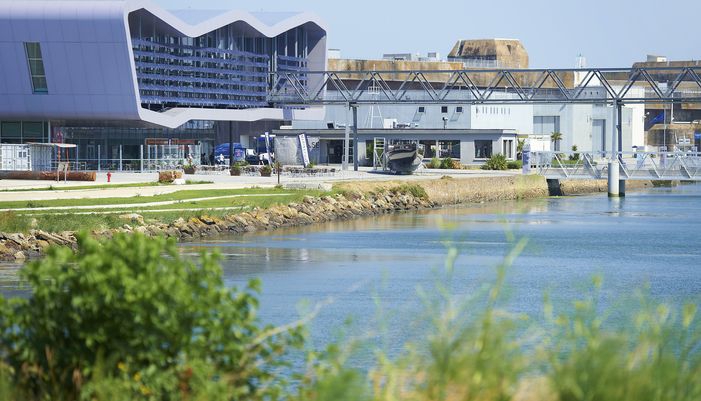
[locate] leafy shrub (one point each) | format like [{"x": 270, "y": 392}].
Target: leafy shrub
[
  {"x": 415, "y": 190},
  {"x": 574, "y": 156},
  {"x": 496, "y": 162},
  {"x": 266, "y": 171},
  {"x": 514, "y": 164},
  {"x": 447, "y": 163},
  {"x": 132, "y": 315},
  {"x": 434, "y": 163}
]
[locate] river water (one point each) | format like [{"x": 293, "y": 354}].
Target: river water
[
  {"x": 358, "y": 268},
  {"x": 649, "y": 239}
]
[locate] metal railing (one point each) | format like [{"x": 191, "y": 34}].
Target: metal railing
[{"x": 684, "y": 166}]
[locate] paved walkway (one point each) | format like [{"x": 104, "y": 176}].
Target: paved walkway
[{"x": 219, "y": 181}]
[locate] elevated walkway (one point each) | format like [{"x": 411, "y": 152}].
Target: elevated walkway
[{"x": 676, "y": 166}]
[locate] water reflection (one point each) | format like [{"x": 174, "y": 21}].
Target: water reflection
[
  {"x": 644, "y": 238},
  {"x": 648, "y": 237}
]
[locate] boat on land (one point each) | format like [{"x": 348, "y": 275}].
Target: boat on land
[{"x": 403, "y": 158}]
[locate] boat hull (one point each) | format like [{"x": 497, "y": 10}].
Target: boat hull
[{"x": 404, "y": 159}]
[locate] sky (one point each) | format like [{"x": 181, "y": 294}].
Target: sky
[{"x": 609, "y": 33}]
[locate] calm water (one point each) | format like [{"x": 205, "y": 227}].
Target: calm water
[{"x": 649, "y": 238}]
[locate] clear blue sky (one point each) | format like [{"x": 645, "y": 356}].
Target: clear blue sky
[{"x": 609, "y": 33}]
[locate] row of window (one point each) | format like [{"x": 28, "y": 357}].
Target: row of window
[
  {"x": 23, "y": 131},
  {"x": 478, "y": 109},
  {"x": 444, "y": 109}
]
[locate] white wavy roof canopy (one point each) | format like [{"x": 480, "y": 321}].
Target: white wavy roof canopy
[
  {"x": 201, "y": 22},
  {"x": 195, "y": 23}
]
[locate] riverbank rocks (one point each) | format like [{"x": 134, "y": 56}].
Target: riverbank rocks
[
  {"x": 19, "y": 247},
  {"x": 357, "y": 199},
  {"x": 133, "y": 218}
]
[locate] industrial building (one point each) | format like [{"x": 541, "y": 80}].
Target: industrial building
[{"x": 459, "y": 130}]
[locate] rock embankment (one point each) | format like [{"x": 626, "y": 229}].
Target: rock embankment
[{"x": 18, "y": 247}]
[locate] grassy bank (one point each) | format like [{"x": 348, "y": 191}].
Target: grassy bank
[{"x": 23, "y": 216}]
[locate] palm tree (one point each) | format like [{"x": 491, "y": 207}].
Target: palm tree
[{"x": 556, "y": 137}]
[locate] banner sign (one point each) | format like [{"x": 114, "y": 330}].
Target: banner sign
[
  {"x": 239, "y": 154},
  {"x": 305, "y": 150},
  {"x": 526, "y": 159},
  {"x": 267, "y": 146}
]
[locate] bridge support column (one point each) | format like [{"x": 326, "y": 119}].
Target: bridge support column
[
  {"x": 554, "y": 188},
  {"x": 614, "y": 181},
  {"x": 621, "y": 188},
  {"x": 354, "y": 107}
]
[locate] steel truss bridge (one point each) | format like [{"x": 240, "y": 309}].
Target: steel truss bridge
[
  {"x": 488, "y": 86},
  {"x": 608, "y": 86}
]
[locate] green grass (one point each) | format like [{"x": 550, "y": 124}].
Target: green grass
[
  {"x": 56, "y": 221},
  {"x": 175, "y": 196}
]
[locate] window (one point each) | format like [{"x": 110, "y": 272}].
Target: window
[
  {"x": 429, "y": 148},
  {"x": 11, "y": 132},
  {"x": 483, "y": 149},
  {"x": 458, "y": 109},
  {"x": 449, "y": 149},
  {"x": 422, "y": 109},
  {"x": 36, "y": 67},
  {"x": 507, "y": 148},
  {"x": 444, "y": 109}
]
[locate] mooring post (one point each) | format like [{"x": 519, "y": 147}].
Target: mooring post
[{"x": 613, "y": 167}]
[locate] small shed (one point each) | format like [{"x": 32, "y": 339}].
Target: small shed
[{"x": 29, "y": 156}]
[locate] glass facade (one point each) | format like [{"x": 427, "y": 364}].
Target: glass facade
[
  {"x": 106, "y": 141},
  {"x": 226, "y": 68},
  {"x": 23, "y": 131},
  {"x": 36, "y": 67}
]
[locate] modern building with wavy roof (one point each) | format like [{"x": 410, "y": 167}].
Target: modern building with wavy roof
[{"x": 120, "y": 72}]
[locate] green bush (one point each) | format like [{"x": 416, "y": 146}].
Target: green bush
[
  {"x": 514, "y": 164},
  {"x": 266, "y": 170},
  {"x": 447, "y": 163},
  {"x": 434, "y": 163},
  {"x": 496, "y": 162},
  {"x": 574, "y": 156},
  {"x": 414, "y": 189},
  {"x": 131, "y": 316}
]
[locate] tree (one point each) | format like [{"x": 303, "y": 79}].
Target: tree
[
  {"x": 132, "y": 308},
  {"x": 575, "y": 155},
  {"x": 520, "y": 143},
  {"x": 556, "y": 137}
]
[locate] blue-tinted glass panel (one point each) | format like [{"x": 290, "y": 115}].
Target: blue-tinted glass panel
[{"x": 36, "y": 67}]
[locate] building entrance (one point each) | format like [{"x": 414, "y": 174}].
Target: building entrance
[{"x": 335, "y": 152}]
